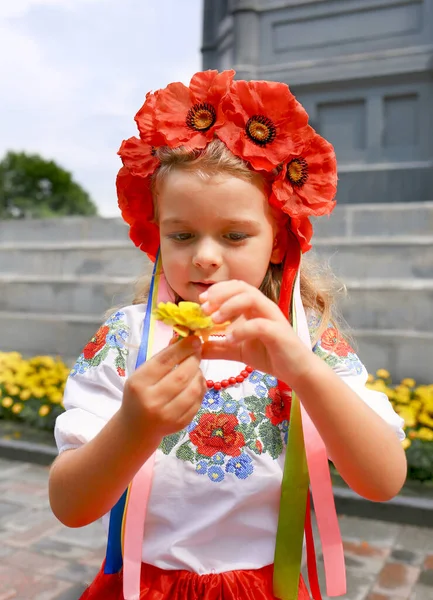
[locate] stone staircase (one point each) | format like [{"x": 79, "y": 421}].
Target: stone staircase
[{"x": 58, "y": 277}]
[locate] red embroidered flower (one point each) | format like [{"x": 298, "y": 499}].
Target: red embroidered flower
[
  {"x": 307, "y": 183},
  {"x": 259, "y": 446},
  {"x": 216, "y": 433},
  {"x": 265, "y": 124},
  {"x": 252, "y": 417},
  {"x": 333, "y": 341},
  {"x": 121, "y": 372},
  {"x": 191, "y": 115},
  {"x": 96, "y": 343},
  {"x": 138, "y": 157},
  {"x": 278, "y": 411}
]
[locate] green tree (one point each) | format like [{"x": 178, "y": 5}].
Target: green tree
[{"x": 33, "y": 187}]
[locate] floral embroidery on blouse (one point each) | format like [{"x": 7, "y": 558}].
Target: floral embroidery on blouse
[
  {"x": 218, "y": 438},
  {"x": 334, "y": 350},
  {"x": 108, "y": 340}
]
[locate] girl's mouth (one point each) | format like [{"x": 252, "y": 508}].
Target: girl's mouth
[{"x": 201, "y": 286}]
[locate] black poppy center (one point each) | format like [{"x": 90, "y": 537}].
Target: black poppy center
[
  {"x": 201, "y": 117},
  {"x": 297, "y": 172},
  {"x": 260, "y": 130}
]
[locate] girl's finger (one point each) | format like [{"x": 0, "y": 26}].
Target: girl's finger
[
  {"x": 164, "y": 362},
  {"x": 186, "y": 405},
  {"x": 220, "y": 292},
  {"x": 247, "y": 303},
  {"x": 222, "y": 350},
  {"x": 178, "y": 378}
]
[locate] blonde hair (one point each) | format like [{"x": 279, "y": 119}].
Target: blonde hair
[{"x": 319, "y": 287}]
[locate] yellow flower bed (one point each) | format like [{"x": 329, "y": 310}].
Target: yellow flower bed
[
  {"x": 414, "y": 403},
  {"x": 31, "y": 390}
]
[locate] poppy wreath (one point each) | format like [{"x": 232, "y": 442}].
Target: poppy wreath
[{"x": 261, "y": 122}]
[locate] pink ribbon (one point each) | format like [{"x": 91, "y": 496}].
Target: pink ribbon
[
  {"x": 139, "y": 491},
  {"x": 320, "y": 480}
]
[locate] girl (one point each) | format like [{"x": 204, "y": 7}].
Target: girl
[{"x": 218, "y": 191}]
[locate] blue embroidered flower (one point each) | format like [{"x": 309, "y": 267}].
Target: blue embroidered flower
[
  {"x": 285, "y": 430},
  {"x": 218, "y": 458},
  {"x": 241, "y": 466},
  {"x": 261, "y": 390},
  {"x": 215, "y": 474},
  {"x": 116, "y": 317},
  {"x": 270, "y": 380},
  {"x": 117, "y": 339},
  {"x": 191, "y": 426},
  {"x": 353, "y": 363},
  {"x": 212, "y": 400},
  {"x": 230, "y": 407},
  {"x": 256, "y": 376},
  {"x": 201, "y": 467},
  {"x": 244, "y": 417},
  {"x": 80, "y": 367}
]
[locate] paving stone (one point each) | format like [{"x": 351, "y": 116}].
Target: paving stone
[
  {"x": 407, "y": 556},
  {"x": 428, "y": 562},
  {"x": 32, "y": 535},
  {"x": 365, "y": 558},
  {"x": 415, "y": 538},
  {"x": 7, "y": 509},
  {"x": 77, "y": 572},
  {"x": 376, "y": 533},
  {"x": 21, "y": 584},
  {"x": 37, "y": 563},
  {"x": 73, "y": 593},
  {"x": 25, "y": 520},
  {"x": 92, "y": 536},
  {"x": 397, "y": 579},
  {"x": 426, "y": 578},
  {"x": 422, "y": 592},
  {"x": 57, "y": 549}
]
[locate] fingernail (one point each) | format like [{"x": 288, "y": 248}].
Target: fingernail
[
  {"x": 206, "y": 306},
  {"x": 203, "y": 296},
  {"x": 196, "y": 342},
  {"x": 216, "y": 316}
]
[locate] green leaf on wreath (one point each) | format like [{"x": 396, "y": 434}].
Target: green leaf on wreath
[
  {"x": 169, "y": 442},
  {"x": 271, "y": 438},
  {"x": 185, "y": 452}
]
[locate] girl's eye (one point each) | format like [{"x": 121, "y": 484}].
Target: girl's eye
[
  {"x": 236, "y": 237},
  {"x": 181, "y": 237}
]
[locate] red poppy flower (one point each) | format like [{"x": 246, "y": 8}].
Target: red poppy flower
[
  {"x": 145, "y": 119},
  {"x": 277, "y": 411},
  {"x": 259, "y": 446},
  {"x": 303, "y": 230},
  {"x": 333, "y": 341},
  {"x": 96, "y": 343},
  {"x": 121, "y": 372},
  {"x": 264, "y": 123},
  {"x": 190, "y": 115},
  {"x": 307, "y": 183},
  {"x": 136, "y": 205},
  {"x": 138, "y": 157},
  {"x": 216, "y": 433}
]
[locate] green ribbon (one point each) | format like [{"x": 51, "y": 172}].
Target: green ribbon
[{"x": 293, "y": 505}]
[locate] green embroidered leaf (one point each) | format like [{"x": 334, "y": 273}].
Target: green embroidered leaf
[
  {"x": 252, "y": 445},
  {"x": 271, "y": 438},
  {"x": 256, "y": 405},
  {"x": 226, "y": 396},
  {"x": 119, "y": 362},
  {"x": 248, "y": 431},
  {"x": 332, "y": 361},
  {"x": 169, "y": 442},
  {"x": 102, "y": 355},
  {"x": 185, "y": 452},
  {"x": 199, "y": 456}
]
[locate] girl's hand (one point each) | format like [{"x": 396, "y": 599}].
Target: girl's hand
[
  {"x": 165, "y": 393},
  {"x": 259, "y": 334}
]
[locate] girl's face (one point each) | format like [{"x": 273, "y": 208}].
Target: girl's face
[{"x": 214, "y": 230}]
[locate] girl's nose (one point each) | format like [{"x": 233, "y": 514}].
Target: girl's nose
[{"x": 207, "y": 255}]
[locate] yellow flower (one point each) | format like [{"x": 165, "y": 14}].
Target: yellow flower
[
  {"x": 38, "y": 392},
  {"x": 408, "y": 415},
  {"x": 185, "y": 317},
  {"x": 383, "y": 374},
  {"x": 406, "y": 443},
  {"x": 44, "y": 410},
  {"x": 425, "y": 434},
  {"x": 410, "y": 383},
  {"x": 13, "y": 390},
  {"x": 370, "y": 378},
  {"x": 56, "y": 398},
  {"x": 17, "y": 408},
  {"x": 7, "y": 402},
  {"x": 425, "y": 419},
  {"x": 25, "y": 395}
]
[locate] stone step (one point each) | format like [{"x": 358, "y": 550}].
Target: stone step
[
  {"x": 402, "y": 257},
  {"x": 404, "y": 353},
  {"x": 370, "y": 304},
  {"x": 347, "y": 220},
  {"x": 370, "y": 257},
  {"x": 353, "y": 220}
]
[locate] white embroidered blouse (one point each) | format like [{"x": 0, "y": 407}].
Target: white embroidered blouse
[{"x": 216, "y": 485}]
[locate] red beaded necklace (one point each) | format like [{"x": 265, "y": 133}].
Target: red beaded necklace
[{"x": 225, "y": 383}]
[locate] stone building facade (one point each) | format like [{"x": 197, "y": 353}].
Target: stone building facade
[{"x": 363, "y": 69}]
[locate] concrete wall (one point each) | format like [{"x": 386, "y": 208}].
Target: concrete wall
[
  {"x": 363, "y": 69},
  {"x": 58, "y": 277}
]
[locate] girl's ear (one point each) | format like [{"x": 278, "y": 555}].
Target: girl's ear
[{"x": 280, "y": 246}]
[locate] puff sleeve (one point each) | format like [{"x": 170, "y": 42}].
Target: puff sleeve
[
  {"x": 343, "y": 360},
  {"x": 94, "y": 389}
]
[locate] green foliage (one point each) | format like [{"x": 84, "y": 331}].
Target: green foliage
[{"x": 33, "y": 187}]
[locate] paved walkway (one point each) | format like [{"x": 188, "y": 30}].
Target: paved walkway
[{"x": 42, "y": 560}]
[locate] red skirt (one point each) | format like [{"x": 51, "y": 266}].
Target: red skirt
[{"x": 157, "y": 584}]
